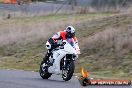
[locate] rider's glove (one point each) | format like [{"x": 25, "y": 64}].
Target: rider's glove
[
  {"x": 75, "y": 56},
  {"x": 55, "y": 45}
]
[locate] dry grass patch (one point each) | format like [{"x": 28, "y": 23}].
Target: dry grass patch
[{"x": 31, "y": 29}]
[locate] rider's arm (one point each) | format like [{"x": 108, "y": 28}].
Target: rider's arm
[
  {"x": 53, "y": 40},
  {"x": 56, "y": 36}
]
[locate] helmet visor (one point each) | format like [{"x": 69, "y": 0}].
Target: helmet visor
[{"x": 70, "y": 35}]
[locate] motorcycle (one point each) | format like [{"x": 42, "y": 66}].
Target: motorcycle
[{"x": 62, "y": 60}]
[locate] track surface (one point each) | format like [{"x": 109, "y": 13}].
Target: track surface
[{"x": 26, "y": 79}]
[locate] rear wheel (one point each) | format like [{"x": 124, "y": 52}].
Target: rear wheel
[{"x": 68, "y": 72}]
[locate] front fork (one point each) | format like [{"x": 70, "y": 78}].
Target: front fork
[
  {"x": 65, "y": 63},
  {"x": 64, "y": 68}
]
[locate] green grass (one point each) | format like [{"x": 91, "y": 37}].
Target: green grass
[{"x": 26, "y": 57}]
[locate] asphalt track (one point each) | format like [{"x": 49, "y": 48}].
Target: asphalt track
[{"x": 27, "y": 79}]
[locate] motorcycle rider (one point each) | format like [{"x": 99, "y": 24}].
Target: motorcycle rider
[{"x": 58, "y": 39}]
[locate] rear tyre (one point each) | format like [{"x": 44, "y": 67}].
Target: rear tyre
[
  {"x": 70, "y": 71},
  {"x": 44, "y": 70}
]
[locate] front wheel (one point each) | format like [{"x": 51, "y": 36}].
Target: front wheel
[{"x": 68, "y": 73}]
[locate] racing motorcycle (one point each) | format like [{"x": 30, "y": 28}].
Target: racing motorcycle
[{"x": 61, "y": 60}]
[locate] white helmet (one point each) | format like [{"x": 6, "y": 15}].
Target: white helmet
[{"x": 70, "y": 31}]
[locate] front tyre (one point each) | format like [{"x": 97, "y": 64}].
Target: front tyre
[{"x": 67, "y": 74}]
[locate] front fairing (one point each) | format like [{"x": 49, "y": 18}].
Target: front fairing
[{"x": 69, "y": 48}]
